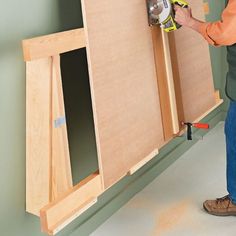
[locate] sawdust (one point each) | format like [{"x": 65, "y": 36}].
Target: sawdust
[
  {"x": 142, "y": 203},
  {"x": 171, "y": 218}
]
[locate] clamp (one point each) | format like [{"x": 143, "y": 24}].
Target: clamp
[{"x": 195, "y": 125}]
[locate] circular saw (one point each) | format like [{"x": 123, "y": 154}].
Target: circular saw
[{"x": 161, "y": 12}]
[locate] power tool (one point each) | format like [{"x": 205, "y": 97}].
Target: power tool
[{"x": 161, "y": 12}]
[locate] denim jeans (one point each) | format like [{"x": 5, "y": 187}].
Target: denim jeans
[{"x": 230, "y": 133}]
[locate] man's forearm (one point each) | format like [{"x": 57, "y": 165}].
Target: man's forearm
[
  {"x": 219, "y": 33},
  {"x": 185, "y": 18},
  {"x": 195, "y": 24}
]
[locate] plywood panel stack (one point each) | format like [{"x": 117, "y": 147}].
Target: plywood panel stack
[
  {"x": 144, "y": 84},
  {"x": 49, "y": 190}
]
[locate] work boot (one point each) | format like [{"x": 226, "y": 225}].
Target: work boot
[{"x": 220, "y": 207}]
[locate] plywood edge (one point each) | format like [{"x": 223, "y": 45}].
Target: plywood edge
[
  {"x": 143, "y": 162},
  {"x": 53, "y": 44},
  {"x": 58, "y": 214},
  {"x": 218, "y": 100},
  {"x": 93, "y": 97}
]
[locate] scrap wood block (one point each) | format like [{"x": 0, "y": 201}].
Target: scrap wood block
[{"x": 138, "y": 166}]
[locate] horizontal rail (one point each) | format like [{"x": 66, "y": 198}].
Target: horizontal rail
[
  {"x": 53, "y": 44},
  {"x": 56, "y": 215}
]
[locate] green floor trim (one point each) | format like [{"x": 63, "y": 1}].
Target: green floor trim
[{"x": 128, "y": 187}]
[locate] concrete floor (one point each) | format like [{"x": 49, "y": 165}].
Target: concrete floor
[{"x": 172, "y": 204}]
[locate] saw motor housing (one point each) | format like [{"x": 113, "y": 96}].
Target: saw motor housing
[{"x": 161, "y": 12}]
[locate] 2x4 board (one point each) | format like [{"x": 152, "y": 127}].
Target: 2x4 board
[{"x": 123, "y": 85}]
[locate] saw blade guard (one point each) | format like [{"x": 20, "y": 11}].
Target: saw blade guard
[
  {"x": 167, "y": 9},
  {"x": 158, "y": 11}
]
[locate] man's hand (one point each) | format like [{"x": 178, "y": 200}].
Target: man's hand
[{"x": 183, "y": 16}]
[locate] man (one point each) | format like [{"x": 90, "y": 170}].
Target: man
[{"x": 221, "y": 33}]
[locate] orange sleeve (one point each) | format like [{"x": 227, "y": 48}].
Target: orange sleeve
[{"x": 221, "y": 32}]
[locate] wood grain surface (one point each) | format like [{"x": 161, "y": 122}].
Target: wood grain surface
[
  {"x": 61, "y": 176},
  {"x": 161, "y": 71},
  {"x": 123, "y": 85},
  {"x": 38, "y": 134},
  {"x": 195, "y": 72},
  {"x": 48, "y": 170},
  {"x": 53, "y": 44}
]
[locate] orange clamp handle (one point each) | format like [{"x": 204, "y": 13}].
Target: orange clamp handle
[{"x": 201, "y": 126}]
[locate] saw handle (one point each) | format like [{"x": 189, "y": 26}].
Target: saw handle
[{"x": 181, "y": 3}]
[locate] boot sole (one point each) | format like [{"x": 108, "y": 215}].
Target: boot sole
[{"x": 219, "y": 213}]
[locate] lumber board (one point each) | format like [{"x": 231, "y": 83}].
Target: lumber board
[
  {"x": 56, "y": 215},
  {"x": 194, "y": 65},
  {"x": 138, "y": 166},
  {"x": 123, "y": 83},
  {"x": 61, "y": 177},
  {"x": 53, "y": 44},
  {"x": 38, "y": 134},
  {"x": 158, "y": 48},
  {"x": 176, "y": 78},
  {"x": 170, "y": 83}
]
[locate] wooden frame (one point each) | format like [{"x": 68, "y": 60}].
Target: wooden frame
[
  {"x": 49, "y": 190},
  {"x": 48, "y": 170},
  {"x": 54, "y": 44}
]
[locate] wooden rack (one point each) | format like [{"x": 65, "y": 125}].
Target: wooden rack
[
  {"x": 49, "y": 190},
  {"x": 50, "y": 193}
]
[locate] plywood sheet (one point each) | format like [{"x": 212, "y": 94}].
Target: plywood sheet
[
  {"x": 123, "y": 84},
  {"x": 195, "y": 73}
]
